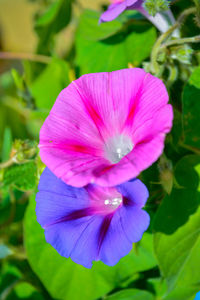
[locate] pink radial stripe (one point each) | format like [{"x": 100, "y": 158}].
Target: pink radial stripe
[
  {"x": 160, "y": 123},
  {"x": 106, "y": 127},
  {"x": 72, "y": 147}
]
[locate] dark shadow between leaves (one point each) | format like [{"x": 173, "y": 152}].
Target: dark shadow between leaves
[
  {"x": 183, "y": 201},
  {"x": 137, "y": 27}
]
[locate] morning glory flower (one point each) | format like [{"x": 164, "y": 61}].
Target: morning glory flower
[
  {"x": 91, "y": 223},
  {"x": 105, "y": 128},
  {"x": 162, "y": 20}
]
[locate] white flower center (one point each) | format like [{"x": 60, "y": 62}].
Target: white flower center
[
  {"x": 117, "y": 147},
  {"x": 113, "y": 202}
]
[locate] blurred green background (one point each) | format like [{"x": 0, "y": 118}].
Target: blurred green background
[{"x": 44, "y": 45}]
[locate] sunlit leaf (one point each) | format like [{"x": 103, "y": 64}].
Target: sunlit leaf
[
  {"x": 22, "y": 176},
  {"x": 54, "y": 19},
  {"x": 116, "y": 51},
  {"x": 130, "y": 294},
  {"x": 178, "y": 254},
  {"x": 91, "y": 29},
  {"x": 48, "y": 85},
  {"x": 177, "y": 226},
  {"x": 183, "y": 200},
  {"x": 25, "y": 290},
  {"x": 7, "y": 144}
]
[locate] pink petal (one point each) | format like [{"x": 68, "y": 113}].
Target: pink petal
[
  {"x": 77, "y": 135},
  {"x": 142, "y": 156}
]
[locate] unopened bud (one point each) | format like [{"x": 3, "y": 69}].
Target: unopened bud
[{"x": 155, "y": 6}]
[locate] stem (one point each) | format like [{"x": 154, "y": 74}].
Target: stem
[
  {"x": 173, "y": 72},
  {"x": 185, "y": 13},
  {"x": 156, "y": 49},
  {"x": 26, "y": 56},
  {"x": 6, "y": 164},
  {"x": 194, "y": 39},
  {"x": 8, "y": 290},
  {"x": 164, "y": 36},
  {"x": 193, "y": 149}
]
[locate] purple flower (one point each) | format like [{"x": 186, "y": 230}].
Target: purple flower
[
  {"x": 161, "y": 20},
  {"x": 105, "y": 128},
  {"x": 91, "y": 223}
]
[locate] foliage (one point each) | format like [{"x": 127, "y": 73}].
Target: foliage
[
  {"x": 154, "y": 6},
  {"x": 165, "y": 263}
]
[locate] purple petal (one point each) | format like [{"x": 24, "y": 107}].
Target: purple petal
[
  {"x": 126, "y": 227},
  {"x": 134, "y": 221},
  {"x": 115, "y": 244},
  {"x": 133, "y": 2},
  {"x": 80, "y": 224},
  {"x": 135, "y": 191},
  {"x": 56, "y": 199},
  {"x": 64, "y": 238},
  {"x": 50, "y": 183},
  {"x": 86, "y": 248},
  {"x": 113, "y": 11}
]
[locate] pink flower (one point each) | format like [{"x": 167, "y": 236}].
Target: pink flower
[{"x": 106, "y": 128}]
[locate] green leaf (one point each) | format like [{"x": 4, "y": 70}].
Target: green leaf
[
  {"x": 142, "y": 257},
  {"x": 9, "y": 117},
  {"x": 131, "y": 294},
  {"x": 7, "y": 144},
  {"x": 178, "y": 254},
  {"x": 159, "y": 286},
  {"x": 187, "y": 172},
  {"x": 66, "y": 280},
  {"x": 90, "y": 28},
  {"x": 183, "y": 200},
  {"x": 175, "y": 210},
  {"x": 182, "y": 293},
  {"x": 21, "y": 176},
  {"x": 176, "y": 131},
  {"x": 24, "y": 290},
  {"x": 53, "y": 20},
  {"x": 36, "y": 119},
  {"x": 9, "y": 275},
  {"x": 177, "y": 223},
  {"x": 49, "y": 84},
  {"x": 115, "y": 52},
  {"x": 191, "y": 110}
]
